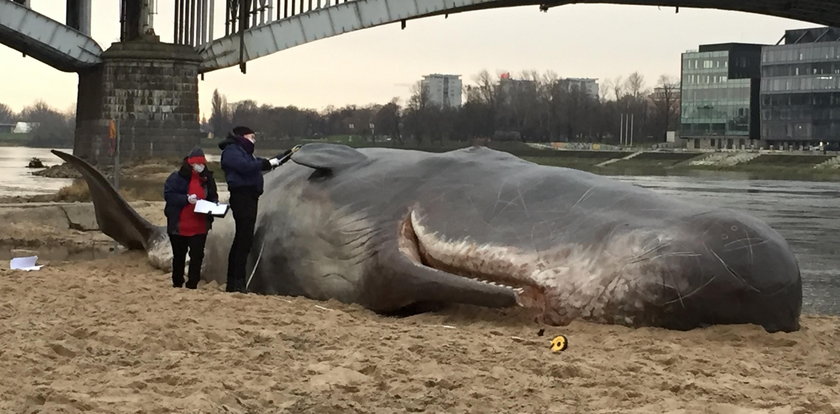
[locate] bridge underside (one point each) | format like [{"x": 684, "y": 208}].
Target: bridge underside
[
  {"x": 45, "y": 39},
  {"x": 320, "y": 23}
]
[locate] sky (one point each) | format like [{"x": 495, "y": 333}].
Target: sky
[{"x": 374, "y": 66}]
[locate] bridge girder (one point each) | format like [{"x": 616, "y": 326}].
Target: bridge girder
[
  {"x": 45, "y": 39},
  {"x": 354, "y": 15}
]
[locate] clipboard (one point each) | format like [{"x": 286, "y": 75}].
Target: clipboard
[{"x": 211, "y": 208}]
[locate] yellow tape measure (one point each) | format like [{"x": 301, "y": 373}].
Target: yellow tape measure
[{"x": 559, "y": 343}]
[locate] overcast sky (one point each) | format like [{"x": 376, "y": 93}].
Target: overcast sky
[{"x": 376, "y": 65}]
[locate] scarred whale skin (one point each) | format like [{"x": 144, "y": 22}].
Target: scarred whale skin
[{"x": 391, "y": 229}]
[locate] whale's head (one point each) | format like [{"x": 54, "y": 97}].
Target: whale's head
[{"x": 572, "y": 245}]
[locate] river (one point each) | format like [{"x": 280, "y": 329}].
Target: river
[
  {"x": 806, "y": 213},
  {"x": 17, "y": 180}
]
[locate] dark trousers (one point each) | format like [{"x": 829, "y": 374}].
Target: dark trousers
[
  {"x": 243, "y": 203},
  {"x": 180, "y": 245}
]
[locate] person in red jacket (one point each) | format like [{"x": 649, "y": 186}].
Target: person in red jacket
[{"x": 188, "y": 229}]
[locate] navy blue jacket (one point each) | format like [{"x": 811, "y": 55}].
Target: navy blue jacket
[
  {"x": 242, "y": 170},
  {"x": 175, "y": 193}
]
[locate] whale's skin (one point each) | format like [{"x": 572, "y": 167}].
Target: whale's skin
[{"x": 391, "y": 229}]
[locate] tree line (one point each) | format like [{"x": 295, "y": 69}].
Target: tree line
[
  {"x": 534, "y": 108},
  {"x": 51, "y": 127}
]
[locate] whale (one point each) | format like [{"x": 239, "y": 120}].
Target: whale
[{"x": 394, "y": 230}]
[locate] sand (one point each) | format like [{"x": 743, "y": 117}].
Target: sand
[{"x": 111, "y": 336}]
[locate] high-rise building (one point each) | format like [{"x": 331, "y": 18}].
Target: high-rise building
[
  {"x": 442, "y": 90},
  {"x": 587, "y": 85},
  {"x": 720, "y": 100},
  {"x": 512, "y": 90},
  {"x": 800, "y": 89}
]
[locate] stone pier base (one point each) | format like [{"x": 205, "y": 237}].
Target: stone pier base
[{"x": 151, "y": 90}]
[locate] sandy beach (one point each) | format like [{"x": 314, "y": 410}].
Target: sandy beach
[{"x": 110, "y": 335}]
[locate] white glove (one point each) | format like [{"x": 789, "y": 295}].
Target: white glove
[
  {"x": 192, "y": 198},
  {"x": 274, "y": 162}
]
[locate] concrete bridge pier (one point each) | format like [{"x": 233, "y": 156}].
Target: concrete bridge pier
[{"x": 151, "y": 90}]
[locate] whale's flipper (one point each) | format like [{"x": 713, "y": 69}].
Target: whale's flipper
[{"x": 116, "y": 218}]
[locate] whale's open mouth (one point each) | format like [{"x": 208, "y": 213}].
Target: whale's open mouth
[{"x": 491, "y": 265}]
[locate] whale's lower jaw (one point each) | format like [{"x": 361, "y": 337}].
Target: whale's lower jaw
[{"x": 567, "y": 284}]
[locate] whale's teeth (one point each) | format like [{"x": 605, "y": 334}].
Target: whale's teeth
[{"x": 519, "y": 291}]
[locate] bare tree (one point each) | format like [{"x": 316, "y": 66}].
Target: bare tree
[
  {"x": 6, "y": 113},
  {"x": 604, "y": 90},
  {"x": 220, "y": 121},
  {"x": 52, "y": 128},
  {"x": 617, "y": 86},
  {"x": 486, "y": 88},
  {"x": 665, "y": 99},
  {"x": 419, "y": 97},
  {"x": 635, "y": 84}
]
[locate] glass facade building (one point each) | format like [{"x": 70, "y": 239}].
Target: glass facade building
[
  {"x": 720, "y": 96},
  {"x": 800, "y": 89}
]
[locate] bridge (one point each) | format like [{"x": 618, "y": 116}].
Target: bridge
[{"x": 151, "y": 88}]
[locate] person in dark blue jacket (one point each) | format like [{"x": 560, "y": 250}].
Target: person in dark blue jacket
[
  {"x": 243, "y": 173},
  {"x": 188, "y": 229}
]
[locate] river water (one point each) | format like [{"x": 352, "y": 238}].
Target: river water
[
  {"x": 806, "y": 213},
  {"x": 17, "y": 180}
]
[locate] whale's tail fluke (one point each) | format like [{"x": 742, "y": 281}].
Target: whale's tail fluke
[{"x": 116, "y": 218}]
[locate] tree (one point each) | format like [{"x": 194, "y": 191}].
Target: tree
[
  {"x": 6, "y": 113},
  {"x": 387, "y": 120},
  {"x": 220, "y": 122},
  {"x": 53, "y": 128},
  {"x": 617, "y": 86},
  {"x": 419, "y": 114},
  {"x": 666, "y": 102},
  {"x": 635, "y": 84}
]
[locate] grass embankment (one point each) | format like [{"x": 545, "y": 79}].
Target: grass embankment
[{"x": 8, "y": 139}]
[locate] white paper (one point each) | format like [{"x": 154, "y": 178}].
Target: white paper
[
  {"x": 209, "y": 207},
  {"x": 25, "y": 263}
]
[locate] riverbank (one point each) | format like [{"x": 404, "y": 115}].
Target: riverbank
[{"x": 142, "y": 179}]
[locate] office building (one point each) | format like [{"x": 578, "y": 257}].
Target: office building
[
  {"x": 800, "y": 89},
  {"x": 720, "y": 97}
]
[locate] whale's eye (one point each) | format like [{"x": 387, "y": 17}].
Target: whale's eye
[{"x": 734, "y": 228}]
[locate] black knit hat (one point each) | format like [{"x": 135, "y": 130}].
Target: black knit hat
[
  {"x": 196, "y": 152},
  {"x": 242, "y": 131}
]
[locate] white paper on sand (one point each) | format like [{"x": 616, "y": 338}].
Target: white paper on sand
[
  {"x": 209, "y": 207},
  {"x": 25, "y": 263}
]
